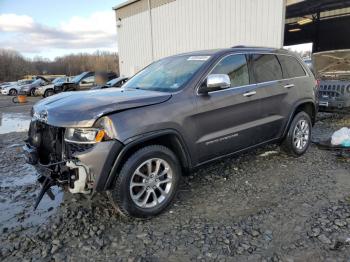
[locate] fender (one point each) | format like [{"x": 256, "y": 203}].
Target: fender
[
  {"x": 296, "y": 105},
  {"x": 131, "y": 142}
]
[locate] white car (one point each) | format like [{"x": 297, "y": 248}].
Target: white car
[
  {"x": 29, "y": 89},
  {"x": 48, "y": 90},
  {"x": 2, "y": 85},
  {"x": 14, "y": 88}
]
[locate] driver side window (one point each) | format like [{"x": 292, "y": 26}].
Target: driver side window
[{"x": 235, "y": 66}]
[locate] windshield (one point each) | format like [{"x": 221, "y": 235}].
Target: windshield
[
  {"x": 112, "y": 82},
  {"x": 38, "y": 81},
  {"x": 77, "y": 78},
  {"x": 167, "y": 75}
]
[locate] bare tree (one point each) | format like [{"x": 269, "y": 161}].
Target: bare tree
[{"x": 14, "y": 66}]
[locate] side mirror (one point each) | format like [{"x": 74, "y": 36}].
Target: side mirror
[{"x": 215, "y": 82}]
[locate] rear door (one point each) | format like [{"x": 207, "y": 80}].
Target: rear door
[
  {"x": 275, "y": 97},
  {"x": 296, "y": 78},
  {"x": 226, "y": 120}
]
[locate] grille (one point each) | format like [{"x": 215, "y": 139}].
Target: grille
[
  {"x": 329, "y": 94},
  {"x": 333, "y": 88},
  {"x": 48, "y": 141}
]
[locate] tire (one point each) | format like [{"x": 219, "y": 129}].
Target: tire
[
  {"x": 32, "y": 92},
  {"x": 144, "y": 205},
  {"x": 13, "y": 92},
  {"x": 48, "y": 92},
  {"x": 298, "y": 137}
]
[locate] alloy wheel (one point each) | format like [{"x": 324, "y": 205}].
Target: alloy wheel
[
  {"x": 301, "y": 134},
  {"x": 151, "y": 183},
  {"x": 13, "y": 92}
]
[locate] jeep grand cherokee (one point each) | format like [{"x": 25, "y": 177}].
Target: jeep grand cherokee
[{"x": 175, "y": 115}]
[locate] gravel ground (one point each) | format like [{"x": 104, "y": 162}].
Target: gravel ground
[{"x": 261, "y": 206}]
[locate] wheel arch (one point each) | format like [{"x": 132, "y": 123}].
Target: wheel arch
[
  {"x": 48, "y": 89},
  {"x": 168, "y": 138},
  {"x": 307, "y": 106}
]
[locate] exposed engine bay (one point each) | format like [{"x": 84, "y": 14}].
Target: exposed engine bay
[{"x": 54, "y": 158}]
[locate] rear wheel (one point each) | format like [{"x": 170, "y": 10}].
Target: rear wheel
[
  {"x": 147, "y": 182},
  {"x": 13, "y": 92},
  {"x": 48, "y": 92},
  {"x": 298, "y": 138}
]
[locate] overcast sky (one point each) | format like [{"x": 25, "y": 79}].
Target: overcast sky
[{"x": 53, "y": 28}]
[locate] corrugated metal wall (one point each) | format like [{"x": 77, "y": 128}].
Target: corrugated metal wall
[{"x": 187, "y": 25}]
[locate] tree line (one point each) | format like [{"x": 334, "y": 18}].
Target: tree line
[{"x": 14, "y": 66}]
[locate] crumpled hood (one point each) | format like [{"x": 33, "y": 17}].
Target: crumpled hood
[
  {"x": 83, "y": 108},
  {"x": 332, "y": 62},
  {"x": 63, "y": 83}
]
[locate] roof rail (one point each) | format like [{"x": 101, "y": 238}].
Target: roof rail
[{"x": 238, "y": 46}]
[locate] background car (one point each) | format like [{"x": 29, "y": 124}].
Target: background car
[
  {"x": 14, "y": 87},
  {"x": 4, "y": 84},
  {"x": 333, "y": 74},
  {"x": 116, "y": 82},
  {"x": 30, "y": 88},
  {"x": 48, "y": 90},
  {"x": 84, "y": 81}
]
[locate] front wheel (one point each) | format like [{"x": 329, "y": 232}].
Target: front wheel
[
  {"x": 13, "y": 92},
  {"x": 32, "y": 92},
  {"x": 147, "y": 182},
  {"x": 48, "y": 92},
  {"x": 298, "y": 138}
]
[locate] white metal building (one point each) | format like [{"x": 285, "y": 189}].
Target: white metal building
[{"x": 151, "y": 29}]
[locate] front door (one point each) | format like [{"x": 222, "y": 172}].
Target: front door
[
  {"x": 87, "y": 83},
  {"x": 226, "y": 120}
]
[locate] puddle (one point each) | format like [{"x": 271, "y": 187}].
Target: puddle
[
  {"x": 18, "y": 192},
  {"x": 19, "y": 212},
  {"x": 14, "y": 122},
  {"x": 28, "y": 179}
]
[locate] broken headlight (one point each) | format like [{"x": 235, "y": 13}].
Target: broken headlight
[
  {"x": 106, "y": 124},
  {"x": 84, "y": 135},
  {"x": 103, "y": 130}
]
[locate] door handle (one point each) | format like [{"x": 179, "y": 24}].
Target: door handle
[
  {"x": 248, "y": 94},
  {"x": 289, "y": 86}
]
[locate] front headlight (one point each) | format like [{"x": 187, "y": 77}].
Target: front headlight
[
  {"x": 103, "y": 130},
  {"x": 84, "y": 135}
]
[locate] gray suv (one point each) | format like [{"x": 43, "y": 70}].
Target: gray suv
[{"x": 175, "y": 115}]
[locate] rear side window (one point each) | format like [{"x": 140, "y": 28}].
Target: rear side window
[
  {"x": 266, "y": 68},
  {"x": 235, "y": 66},
  {"x": 291, "y": 66}
]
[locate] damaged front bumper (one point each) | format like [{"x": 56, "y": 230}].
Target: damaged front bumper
[{"x": 82, "y": 168}]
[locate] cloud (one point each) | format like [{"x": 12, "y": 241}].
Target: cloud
[
  {"x": 13, "y": 23},
  {"x": 23, "y": 34}
]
